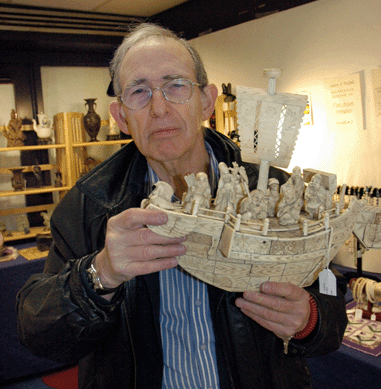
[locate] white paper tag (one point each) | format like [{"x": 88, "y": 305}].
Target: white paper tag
[
  {"x": 373, "y": 317},
  {"x": 358, "y": 314},
  {"x": 327, "y": 282}
]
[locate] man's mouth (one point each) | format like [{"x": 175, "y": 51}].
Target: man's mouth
[{"x": 164, "y": 132}]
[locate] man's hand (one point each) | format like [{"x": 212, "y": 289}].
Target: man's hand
[
  {"x": 282, "y": 308},
  {"x": 132, "y": 249}
]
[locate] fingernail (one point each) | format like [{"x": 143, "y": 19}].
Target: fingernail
[
  {"x": 162, "y": 218},
  {"x": 265, "y": 287}
]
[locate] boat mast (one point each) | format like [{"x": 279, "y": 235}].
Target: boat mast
[{"x": 264, "y": 167}]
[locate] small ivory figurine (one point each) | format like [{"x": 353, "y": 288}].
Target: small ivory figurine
[
  {"x": 225, "y": 197},
  {"x": 198, "y": 190},
  {"x": 161, "y": 196},
  {"x": 241, "y": 183},
  {"x": 289, "y": 206},
  {"x": 254, "y": 206},
  {"x": 273, "y": 196},
  {"x": 315, "y": 197},
  {"x": 297, "y": 180}
]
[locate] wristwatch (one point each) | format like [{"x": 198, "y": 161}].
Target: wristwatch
[{"x": 95, "y": 281}]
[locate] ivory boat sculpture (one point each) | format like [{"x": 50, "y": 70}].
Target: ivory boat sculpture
[{"x": 236, "y": 241}]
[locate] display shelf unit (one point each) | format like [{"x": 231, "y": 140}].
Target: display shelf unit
[
  {"x": 70, "y": 151},
  {"x": 18, "y": 235}
]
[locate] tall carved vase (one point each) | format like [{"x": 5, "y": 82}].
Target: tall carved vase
[{"x": 92, "y": 121}]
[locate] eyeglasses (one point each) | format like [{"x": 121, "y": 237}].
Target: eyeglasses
[{"x": 176, "y": 91}]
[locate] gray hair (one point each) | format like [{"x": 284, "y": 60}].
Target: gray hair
[{"x": 148, "y": 30}]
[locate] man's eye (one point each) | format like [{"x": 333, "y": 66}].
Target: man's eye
[
  {"x": 177, "y": 85},
  {"x": 138, "y": 91}
]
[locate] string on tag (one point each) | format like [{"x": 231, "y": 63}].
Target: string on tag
[{"x": 327, "y": 280}]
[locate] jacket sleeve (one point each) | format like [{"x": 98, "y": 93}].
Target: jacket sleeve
[
  {"x": 329, "y": 331},
  {"x": 59, "y": 316}
]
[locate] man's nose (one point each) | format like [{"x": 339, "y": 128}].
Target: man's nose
[{"x": 159, "y": 104}]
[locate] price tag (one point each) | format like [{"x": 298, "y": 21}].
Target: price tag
[
  {"x": 327, "y": 282},
  {"x": 358, "y": 314},
  {"x": 373, "y": 317}
]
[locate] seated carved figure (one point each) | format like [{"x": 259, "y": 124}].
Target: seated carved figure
[
  {"x": 315, "y": 197},
  {"x": 273, "y": 196},
  {"x": 160, "y": 196},
  {"x": 198, "y": 190},
  {"x": 226, "y": 195},
  {"x": 297, "y": 180},
  {"x": 289, "y": 206},
  {"x": 254, "y": 206},
  {"x": 241, "y": 187}
]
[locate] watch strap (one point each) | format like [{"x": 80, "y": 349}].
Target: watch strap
[{"x": 95, "y": 281}]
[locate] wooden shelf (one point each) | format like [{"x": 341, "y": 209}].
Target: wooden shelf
[
  {"x": 103, "y": 143},
  {"x": 37, "y": 147},
  {"x": 31, "y": 208},
  {"x": 26, "y": 169},
  {"x": 61, "y": 146},
  {"x": 17, "y": 235},
  {"x": 31, "y": 191}
]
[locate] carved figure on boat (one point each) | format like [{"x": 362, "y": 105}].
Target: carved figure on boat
[
  {"x": 198, "y": 191},
  {"x": 315, "y": 197},
  {"x": 241, "y": 183},
  {"x": 297, "y": 180},
  {"x": 273, "y": 196},
  {"x": 226, "y": 195},
  {"x": 254, "y": 206},
  {"x": 290, "y": 205},
  {"x": 161, "y": 196}
]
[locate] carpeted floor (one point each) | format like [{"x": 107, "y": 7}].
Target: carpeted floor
[{"x": 66, "y": 379}]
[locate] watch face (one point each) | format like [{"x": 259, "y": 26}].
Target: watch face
[{"x": 96, "y": 282}]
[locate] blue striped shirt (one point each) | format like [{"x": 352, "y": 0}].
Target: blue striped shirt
[{"x": 185, "y": 321}]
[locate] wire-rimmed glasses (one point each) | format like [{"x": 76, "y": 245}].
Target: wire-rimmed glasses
[{"x": 176, "y": 91}]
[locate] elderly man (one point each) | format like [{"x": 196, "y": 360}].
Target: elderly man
[{"x": 112, "y": 296}]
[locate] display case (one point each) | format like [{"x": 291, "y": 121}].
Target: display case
[{"x": 67, "y": 156}]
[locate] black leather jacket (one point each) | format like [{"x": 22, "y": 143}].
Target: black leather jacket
[{"x": 117, "y": 343}]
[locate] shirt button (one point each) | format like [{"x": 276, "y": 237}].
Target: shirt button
[{"x": 198, "y": 302}]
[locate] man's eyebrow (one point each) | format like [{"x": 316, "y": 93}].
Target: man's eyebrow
[
  {"x": 140, "y": 81},
  {"x": 173, "y": 77}
]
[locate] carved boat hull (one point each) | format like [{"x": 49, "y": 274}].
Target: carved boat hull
[{"x": 239, "y": 259}]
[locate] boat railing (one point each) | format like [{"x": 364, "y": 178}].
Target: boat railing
[{"x": 304, "y": 226}]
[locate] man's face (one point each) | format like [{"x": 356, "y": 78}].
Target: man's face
[
  {"x": 258, "y": 198},
  {"x": 315, "y": 182},
  {"x": 274, "y": 188},
  {"x": 164, "y": 131}
]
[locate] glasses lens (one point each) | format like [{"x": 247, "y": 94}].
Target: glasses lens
[
  {"x": 136, "y": 97},
  {"x": 178, "y": 91}
]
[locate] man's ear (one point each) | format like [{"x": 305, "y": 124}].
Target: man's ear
[
  {"x": 117, "y": 113},
  {"x": 209, "y": 101}
]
